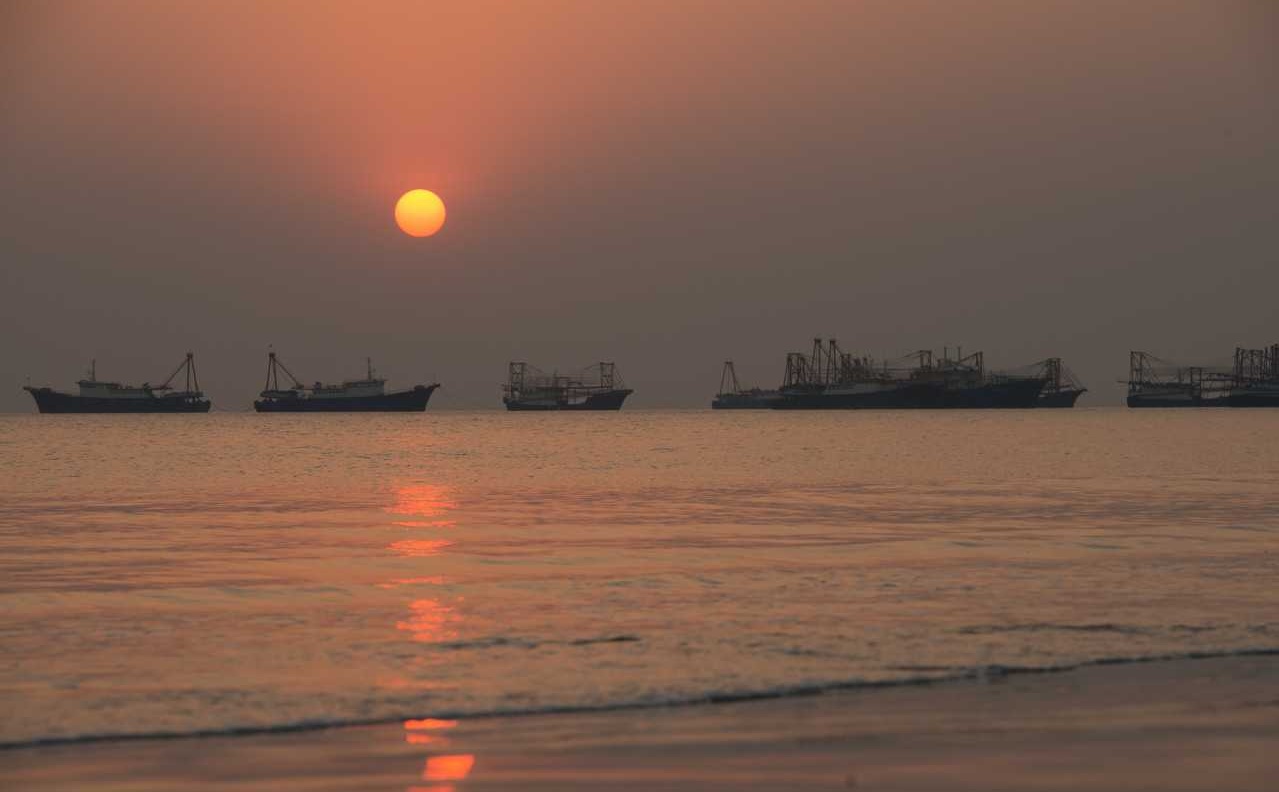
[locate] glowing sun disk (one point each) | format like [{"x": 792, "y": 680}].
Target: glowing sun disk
[{"x": 419, "y": 213}]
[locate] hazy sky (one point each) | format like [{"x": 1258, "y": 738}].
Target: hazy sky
[{"x": 664, "y": 184}]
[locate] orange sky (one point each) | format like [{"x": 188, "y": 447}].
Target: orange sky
[{"x": 221, "y": 176}]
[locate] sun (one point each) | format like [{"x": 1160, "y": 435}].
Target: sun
[{"x": 419, "y": 213}]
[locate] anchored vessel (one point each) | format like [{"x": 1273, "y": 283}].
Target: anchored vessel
[
  {"x": 99, "y": 396},
  {"x": 1153, "y": 382},
  {"x": 1253, "y": 381},
  {"x": 828, "y": 378},
  {"x": 1256, "y": 378},
  {"x": 527, "y": 388},
  {"x": 733, "y": 396},
  {"x": 361, "y": 395},
  {"x": 1062, "y": 388}
]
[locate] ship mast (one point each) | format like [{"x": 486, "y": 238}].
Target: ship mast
[
  {"x": 273, "y": 376},
  {"x": 728, "y": 377},
  {"x": 187, "y": 365}
]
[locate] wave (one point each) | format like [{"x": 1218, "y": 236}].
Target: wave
[{"x": 927, "y": 675}]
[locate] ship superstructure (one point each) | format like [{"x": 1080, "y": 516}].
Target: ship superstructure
[
  {"x": 732, "y": 396},
  {"x": 1255, "y": 381},
  {"x": 1154, "y": 382},
  {"x": 1061, "y": 387},
  {"x": 367, "y": 394},
  {"x": 530, "y": 389},
  {"x": 829, "y": 378},
  {"x": 103, "y": 396},
  {"x": 1252, "y": 381}
]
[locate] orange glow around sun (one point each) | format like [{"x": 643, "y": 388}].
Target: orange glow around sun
[{"x": 419, "y": 213}]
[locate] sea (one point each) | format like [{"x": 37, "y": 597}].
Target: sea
[{"x": 230, "y": 572}]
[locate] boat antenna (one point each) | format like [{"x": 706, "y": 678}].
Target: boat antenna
[{"x": 368, "y": 361}]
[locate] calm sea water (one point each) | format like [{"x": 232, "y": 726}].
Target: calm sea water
[{"x": 178, "y": 574}]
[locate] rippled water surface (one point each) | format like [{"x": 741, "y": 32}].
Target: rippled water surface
[{"x": 202, "y": 573}]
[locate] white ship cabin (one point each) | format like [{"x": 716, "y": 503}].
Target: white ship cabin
[
  {"x": 350, "y": 389},
  {"x": 114, "y": 390}
]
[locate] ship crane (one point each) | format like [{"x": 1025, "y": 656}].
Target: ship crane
[
  {"x": 728, "y": 379},
  {"x": 273, "y": 368},
  {"x": 188, "y": 364}
]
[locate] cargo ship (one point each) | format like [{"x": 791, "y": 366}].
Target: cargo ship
[
  {"x": 100, "y": 396},
  {"x": 732, "y": 396},
  {"x": 1061, "y": 387},
  {"x": 529, "y": 389},
  {"x": 828, "y": 378},
  {"x": 360, "y": 395},
  {"x": 1253, "y": 381}
]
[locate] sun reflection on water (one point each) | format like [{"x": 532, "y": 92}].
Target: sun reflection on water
[
  {"x": 450, "y": 767},
  {"x": 423, "y": 506},
  {"x": 430, "y": 621},
  {"x": 443, "y": 768},
  {"x": 419, "y": 548}
]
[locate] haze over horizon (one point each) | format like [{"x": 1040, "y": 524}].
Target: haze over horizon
[{"x": 665, "y": 185}]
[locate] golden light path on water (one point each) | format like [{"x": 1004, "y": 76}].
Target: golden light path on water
[{"x": 251, "y": 574}]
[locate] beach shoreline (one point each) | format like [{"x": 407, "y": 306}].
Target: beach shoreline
[{"x": 1185, "y": 724}]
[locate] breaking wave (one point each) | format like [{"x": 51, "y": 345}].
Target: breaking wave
[{"x": 921, "y": 675}]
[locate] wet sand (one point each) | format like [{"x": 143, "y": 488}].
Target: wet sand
[{"x": 1202, "y": 724}]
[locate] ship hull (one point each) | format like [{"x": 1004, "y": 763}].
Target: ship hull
[
  {"x": 51, "y": 401},
  {"x": 1016, "y": 394},
  {"x": 744, "y": 401},
  {"x": 1012, "y": 394},
  {"x": 1253, "y": 398},
  {"x": 1239, "y": 397},
  {"x": 1164, "y": 402},
  {"x": 608, "y": 400},
  {"x": 414, "y": 400},
  {"x": 1061, "y": 398},
  {"x": 907, "y": 397}
]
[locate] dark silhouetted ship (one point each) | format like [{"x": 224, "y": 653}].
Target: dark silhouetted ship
[
  {"x": 528, "y": 389},
  {"x": 828, "y": 378},
  {"x": 1153, "y": 382},
  {"x": 99, "y": 396},
  {"x": 733, "y": 396},
  {"x": 1253, "y": 381},
  {"x": 361, "y": 395},
  {"x": 1061, "y": 387}
]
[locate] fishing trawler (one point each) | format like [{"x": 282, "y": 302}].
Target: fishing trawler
[
  {"x": 732, "y": 396},
  {"x": 101, "y": 396},
  {"x": 828, "y": 378},
  {"x": 1062, "y": 388},
  {"x": 359, "y": 395},
  {"x": 1253, "y": 381},
  {"x": 529, "y": 389},
  {"x": 1153, "y": 382}
]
